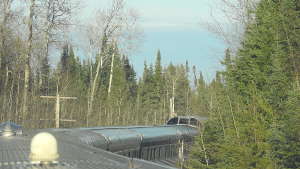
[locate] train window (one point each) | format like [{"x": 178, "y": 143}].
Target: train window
[
  {"x": 194, "y": 122},
  {"x": 173, "y": 121},
  {"x": 184, "y": 121}
]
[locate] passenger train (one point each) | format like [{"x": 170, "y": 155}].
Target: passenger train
[
  {"x": 151, "y": 143},
  {"x": 144, "y": 142}
]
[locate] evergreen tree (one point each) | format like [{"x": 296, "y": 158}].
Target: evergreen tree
[
  {"x": 159, "y": 84},
  {"x": 147, "y": 92},
  {"x": 158, "y": 76},
  {"x": 182, "y": 91},
  {"x": 45, "y": 74},
  {"x": 200, "y": 97},
  {"x": 130, "y": 77},
  {"x": 68, "y": 63},
  {"x": 254, "y": 123}
]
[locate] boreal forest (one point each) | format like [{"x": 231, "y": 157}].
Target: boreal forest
[
  {"x": 252, "y": 105},
  {"x": 254, "y": 119}
]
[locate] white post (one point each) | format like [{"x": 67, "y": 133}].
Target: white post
[{"x": 57, "y": 107}]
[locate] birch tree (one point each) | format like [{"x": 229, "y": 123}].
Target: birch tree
[
  {"x": 172, "y": 78},
  {"x": 112, "y": 25},
  {"x": 5, "y": 7},
  {"x": 56, "y": 17},
  {"x": 229, "y": 20}
]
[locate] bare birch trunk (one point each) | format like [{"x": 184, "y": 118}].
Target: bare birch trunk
[
  {"x": 163, "y": 111},
  {"x": 204, "y": 148},
  {"x": 18, "y": 120},
  {"x": 111, "y": 74},
  {"x": 91, "y": 79},
  {"x": 172, "y": 101},
  {"x": 26, "y": 88},
  {"x": 99, "y": 65},
  {"x": 171, "y": 105}
]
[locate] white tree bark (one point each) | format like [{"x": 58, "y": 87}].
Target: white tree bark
[
  {"x": 108, "y": 24},
  {"x": 111, "y": 74},
  {"x": 204, "y": 148},
  {"x": 115, "y": 24},
  {"x": 173, "y": 113},
  {"x": 93, "y": 89}
]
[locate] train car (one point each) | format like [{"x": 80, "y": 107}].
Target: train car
[
  {"x": 122, "y": 141},
  {"x": 60, "y": 149},
  {"x": 152, "y": 143},
  {"x": 145, "y": 142}
]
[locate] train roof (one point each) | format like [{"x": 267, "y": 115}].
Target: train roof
[{"x": 73, "y": 154}]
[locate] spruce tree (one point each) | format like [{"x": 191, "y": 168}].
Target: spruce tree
[
  {"x": 254, "y": 124},
  {"x": 159, "y": 83},
  {"x": 130, "y": 76}
]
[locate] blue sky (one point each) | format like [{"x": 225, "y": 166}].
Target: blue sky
[{"x": 173, "y": 26}]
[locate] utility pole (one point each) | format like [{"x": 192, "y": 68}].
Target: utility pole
[{"x": 57, "y": 106}]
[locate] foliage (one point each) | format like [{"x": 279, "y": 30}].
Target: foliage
[{"x": 258, "y": 95}]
